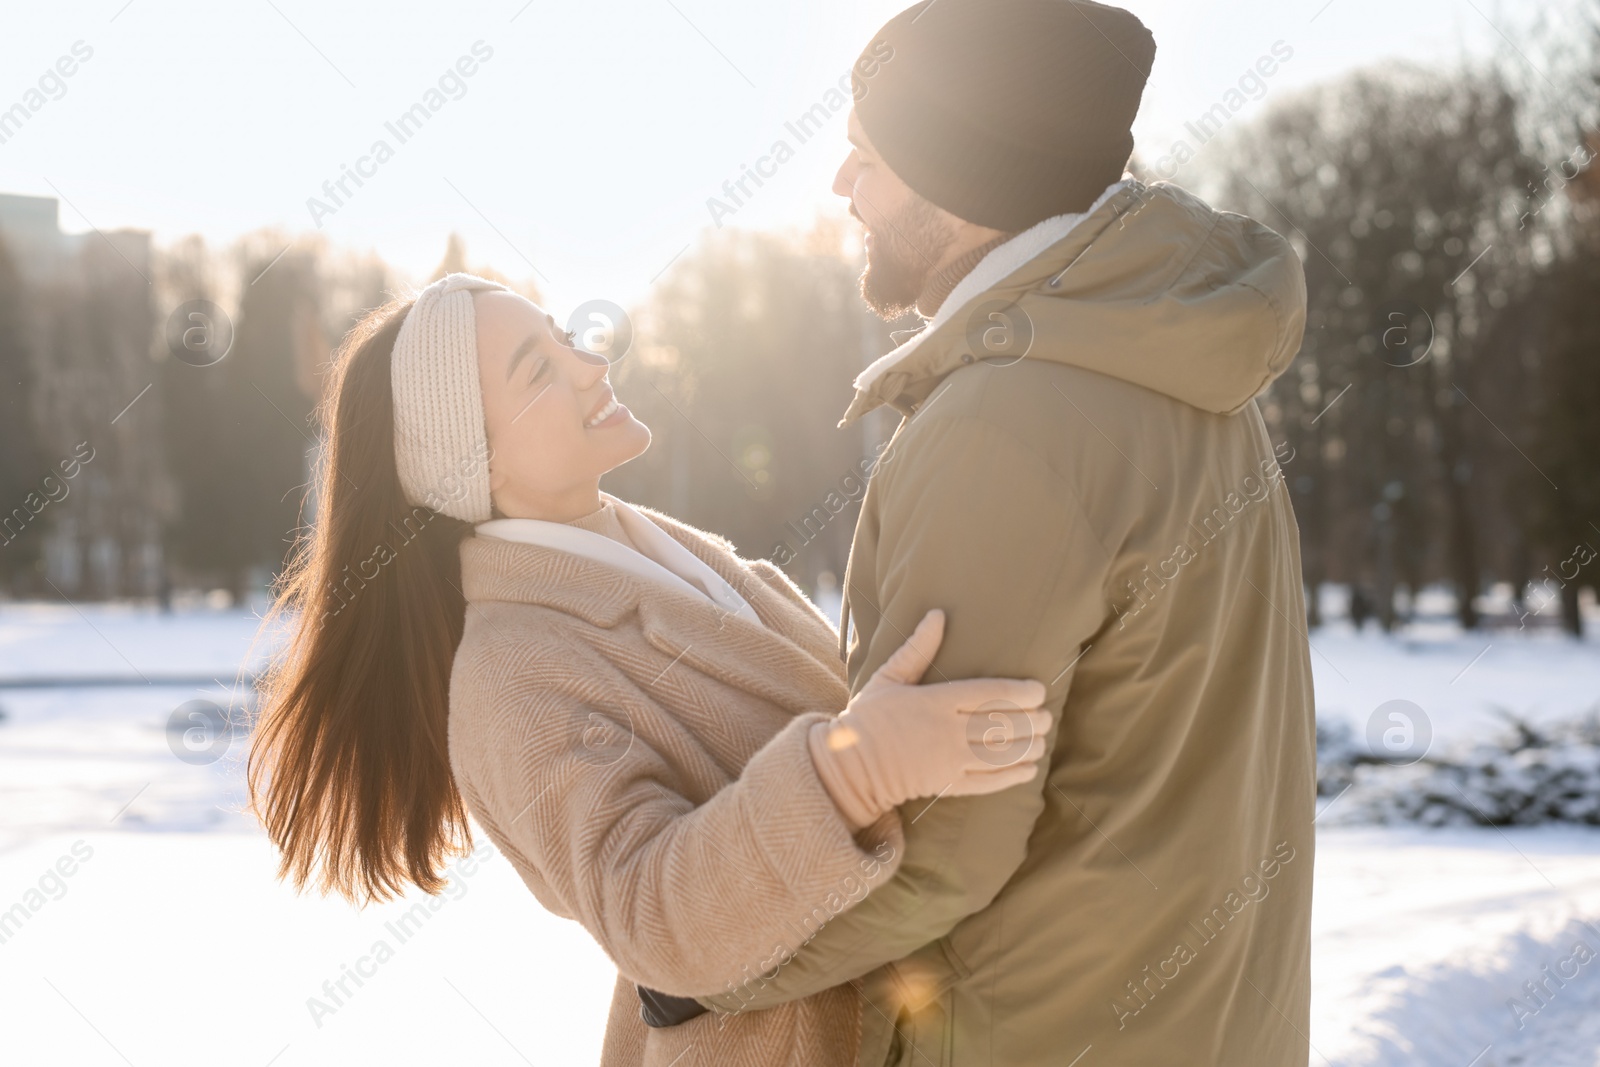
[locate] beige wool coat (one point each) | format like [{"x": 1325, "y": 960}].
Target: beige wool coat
[{"x": 640, "y": 756}]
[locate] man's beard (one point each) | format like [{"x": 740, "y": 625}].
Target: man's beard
[{"x": 902, "y": 258}]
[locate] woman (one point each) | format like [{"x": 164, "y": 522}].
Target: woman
[{"x": 646, "y": 725}]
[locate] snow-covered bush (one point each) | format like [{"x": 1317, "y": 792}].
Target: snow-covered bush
[
  {"x": 1338, "y": 752},
  {"x": 1531, "y": 775}
]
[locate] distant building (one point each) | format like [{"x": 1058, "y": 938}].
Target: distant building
[{"x": 91, "y": 329}]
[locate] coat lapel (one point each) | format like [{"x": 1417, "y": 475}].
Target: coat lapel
[
  {"x": 805, "y": 627},
  {"x": 756, "y": 659},
  {"x": 789, "y": 660}
]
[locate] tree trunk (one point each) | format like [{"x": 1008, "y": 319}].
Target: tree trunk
[
  {"x": 1456, "y": 469},
  {"x": 1571, "y": 618},
  {"x": 1385, "y": 585}
]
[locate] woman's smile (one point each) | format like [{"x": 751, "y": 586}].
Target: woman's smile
[{"x": 601, "y": 415}]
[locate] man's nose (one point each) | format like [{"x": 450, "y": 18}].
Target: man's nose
[{"x": 844, "y": 179}]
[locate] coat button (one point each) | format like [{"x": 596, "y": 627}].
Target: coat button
[{"x": 966, "y": 357}]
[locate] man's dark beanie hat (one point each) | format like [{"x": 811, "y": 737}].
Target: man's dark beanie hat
[{"x": 1005, "y": 112}]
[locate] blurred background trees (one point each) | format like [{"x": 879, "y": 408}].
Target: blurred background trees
[
  {"x": 1402, "y": 191},
  {"x": 19, "y": 462},
  {"x": 1442, "y": 411}
]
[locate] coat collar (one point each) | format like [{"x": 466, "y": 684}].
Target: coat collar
[
  {"x": 907, "y": 374},
  {"x": 789, "y": 657},
  {"x": 653, "y": 554}
]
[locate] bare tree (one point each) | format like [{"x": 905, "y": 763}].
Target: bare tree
[{"x": 1398, "y": 188}]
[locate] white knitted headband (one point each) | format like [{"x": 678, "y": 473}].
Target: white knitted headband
[{"x": 440, "y": 447}]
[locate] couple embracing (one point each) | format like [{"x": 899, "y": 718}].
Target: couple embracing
[{"x": 996, "y": 818}]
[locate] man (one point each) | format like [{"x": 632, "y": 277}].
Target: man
[{"x": 1082, "y": 480}]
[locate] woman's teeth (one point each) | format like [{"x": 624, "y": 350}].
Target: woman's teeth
[{"x": 603, "y": 414}]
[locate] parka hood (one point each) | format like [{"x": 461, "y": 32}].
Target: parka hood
[{"x": 1154, "y": 287}]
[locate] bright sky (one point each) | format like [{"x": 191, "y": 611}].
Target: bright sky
[{"x": 587, "y": 142}]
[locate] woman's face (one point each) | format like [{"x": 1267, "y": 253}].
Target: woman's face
[{"x": 553, "y": 424}]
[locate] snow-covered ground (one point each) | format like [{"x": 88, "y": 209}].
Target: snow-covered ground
[
  {"x": 128, "y": 640},
  {"x": 152, "y": 929},
  {"x": 1461, "y": 682},
  {"x": 1421, "y": 940}
]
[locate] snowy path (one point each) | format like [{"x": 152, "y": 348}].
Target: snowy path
[{"x": 103, "y": 639}]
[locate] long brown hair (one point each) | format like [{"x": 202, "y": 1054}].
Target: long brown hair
[{"x": 349, "y": 769}]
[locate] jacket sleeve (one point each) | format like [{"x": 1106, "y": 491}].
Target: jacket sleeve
[
  {"x": 974, "y": 521},
  {"x": 686, "y": 894}
]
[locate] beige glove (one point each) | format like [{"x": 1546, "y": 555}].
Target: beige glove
[{"x": 898, "y": 740}]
